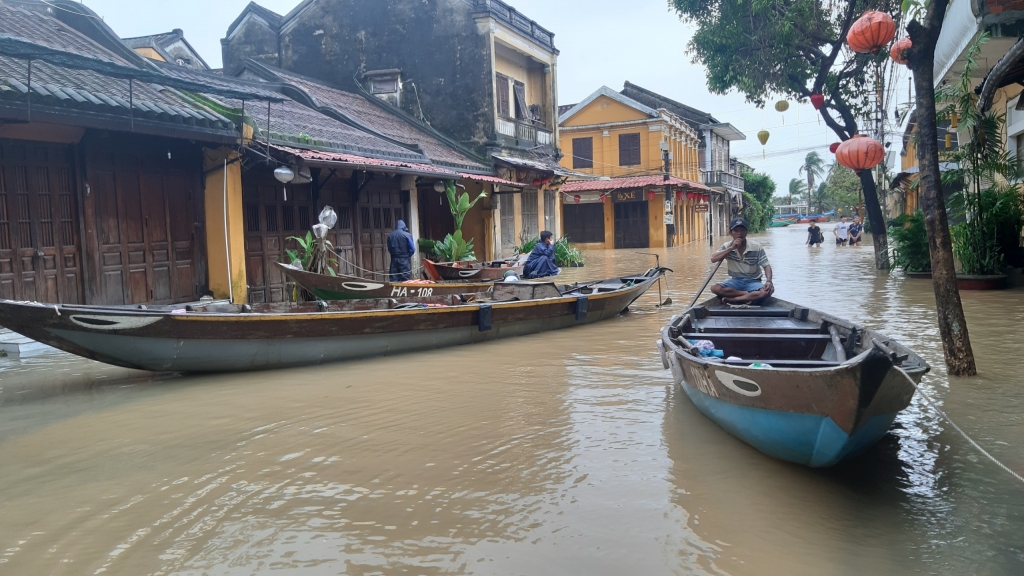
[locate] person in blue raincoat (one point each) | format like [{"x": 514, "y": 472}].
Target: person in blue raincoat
[
  {"x": 401, "y": 247},
  {"x": 541, "y": 262}
]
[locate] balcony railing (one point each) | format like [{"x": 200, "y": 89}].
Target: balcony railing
[
  {"x": 525, "y": 132},
  {"x": 721, "y": 179}
]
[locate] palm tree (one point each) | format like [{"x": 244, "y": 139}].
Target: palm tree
[
  {"x": 814, "y": 167},
  {"x": 797, "y": 189}
]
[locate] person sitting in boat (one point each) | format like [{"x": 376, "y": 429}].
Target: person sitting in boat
[
  {"x": 541, "y": 263},
  {"x": 401, "y": 247},
  {"x": 745, "y": 259}
]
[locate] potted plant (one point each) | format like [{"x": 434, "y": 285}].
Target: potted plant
[
  {"x": 454, "y": 248},
  {"x": 910, "y": 250},
  {"x": 988, "y": 205}
]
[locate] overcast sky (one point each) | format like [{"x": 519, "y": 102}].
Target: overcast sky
[{"x": 602, "y": 42}]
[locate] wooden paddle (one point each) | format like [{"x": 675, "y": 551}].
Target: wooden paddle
[{"x": 706, "y": 282}]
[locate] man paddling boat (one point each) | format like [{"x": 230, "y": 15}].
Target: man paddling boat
[{"x": 745, "y": 260}]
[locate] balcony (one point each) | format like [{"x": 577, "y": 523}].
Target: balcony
[
  {"x": 525, "y": 134},
  {"x": 721, "y": 179}
]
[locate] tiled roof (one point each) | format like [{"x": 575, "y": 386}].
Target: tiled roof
[
  {"x": 37, "y": 27},
  {"x": 633, "y": 182},
  {"x": 361, "y": 110},
  {"x": 655, "y": 100},
  {"x": 364, "y": 162}
]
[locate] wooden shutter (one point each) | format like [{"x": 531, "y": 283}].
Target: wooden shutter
[
  {"x": 629, "y": 149},
  {"x": 503, "y": 96},
  {"x": 521, "y": 110},
  {"x": 582, "y": 152}
]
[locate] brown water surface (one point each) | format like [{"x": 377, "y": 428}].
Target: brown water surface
[{"x": 563, "y": 453}]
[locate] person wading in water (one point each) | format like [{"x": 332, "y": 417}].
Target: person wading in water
[
  {"x": 745, "y": 259},
  {"x": 401, "y": 247},
  {"x": 814, "y": 235}
]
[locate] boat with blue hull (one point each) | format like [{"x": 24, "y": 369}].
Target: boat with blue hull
[{"x": 794, "y": 383}]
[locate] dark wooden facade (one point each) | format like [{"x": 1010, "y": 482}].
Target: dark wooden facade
[{"x": 368, "y": 211}]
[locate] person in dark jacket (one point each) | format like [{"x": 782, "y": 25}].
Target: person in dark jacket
[
  {"x": 401, "y": 247},
  {"x": 541, "y": 262}
]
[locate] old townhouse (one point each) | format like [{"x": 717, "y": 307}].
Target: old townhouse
[
  {"x": 128, "y": 178},
  {"x": 477, "y": 71},
  {"x": 719, "y": 170},
  {"x": 650, "y": 160}
]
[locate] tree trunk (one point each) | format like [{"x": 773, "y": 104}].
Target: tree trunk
[
  {"x": 879, "y": 233},
  {"x": 956, "y": 343}
]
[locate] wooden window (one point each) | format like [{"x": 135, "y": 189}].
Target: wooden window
[
  {"x": 629, "y": 149},
  {"x": 582, "y": 152},
  {"x": 522, "y": 112},
  {"x": 503, "y": 96},
  {"x": 583, "y": 222}
]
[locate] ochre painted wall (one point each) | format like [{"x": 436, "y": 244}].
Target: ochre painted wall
[{"x": 224, "y": 187}]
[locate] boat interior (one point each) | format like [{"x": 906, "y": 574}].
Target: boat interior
[{"x": 781, "y": 336}]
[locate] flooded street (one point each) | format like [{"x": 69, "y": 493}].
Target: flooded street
[{"x": 562, "y": 453}]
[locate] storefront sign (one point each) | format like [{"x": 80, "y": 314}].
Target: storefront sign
[
  {"x": 628, "y": 196},
  {"x": 700, "y": 207}
]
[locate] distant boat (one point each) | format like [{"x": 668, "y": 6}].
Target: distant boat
[
  {"x": 808, "y": 218},
  {"x": 794, "y": 383},
  {"x": 780, "y": 223}
]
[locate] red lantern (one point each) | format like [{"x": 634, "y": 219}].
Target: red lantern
[
  {"x": 576, "y": 198},
  {"x": 833, "y": 147},
  {"x": 860, "y": 153},
  {"x": 817, "y": 100},
  {"x": 537, "y": 182},
  {"x": 604, "y": 199},
  {"x": 871, "y": 32},
  {"x": 679, "y": 195},
  {"x": 898, "y": 53},
  {"x": 650, "y": 195}
]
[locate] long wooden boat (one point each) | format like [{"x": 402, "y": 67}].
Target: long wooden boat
[
  {"x": 343, "y": 287},
  {"x": 780, "y": 223},
  {"x": 221, "y": 337},
  {"x": 470, "y": 271},
  {"x": 794, "y": 383}
]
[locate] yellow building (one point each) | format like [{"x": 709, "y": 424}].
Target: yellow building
[{"x": 616, "y": 137}]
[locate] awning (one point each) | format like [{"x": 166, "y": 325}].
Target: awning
[
  {"x": 491, "y": 180},
  {"x": 634, "y": 182},
  {"x": 319, "y": 157},
  {"x": 543, "y": 165}
]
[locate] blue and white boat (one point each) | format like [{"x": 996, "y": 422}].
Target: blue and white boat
[{"x": 792, "y": 382}]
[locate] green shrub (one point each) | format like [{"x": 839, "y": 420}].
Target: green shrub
[{"x": 910, "y": 239}]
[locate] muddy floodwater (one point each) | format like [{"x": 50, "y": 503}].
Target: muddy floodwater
[{"x": 562, "y": 453}]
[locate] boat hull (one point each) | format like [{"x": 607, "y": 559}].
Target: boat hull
[
  {"x": 474, "y": 272},
  {"x": 331, "y": 288},
  {"x": 183, "y": 341},
  {"x": 810, "y": 439}
]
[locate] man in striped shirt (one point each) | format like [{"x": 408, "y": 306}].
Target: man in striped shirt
[{"x": 745, "y": 259}]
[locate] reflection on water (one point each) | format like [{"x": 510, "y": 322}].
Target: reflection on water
[{"x": 569, "y": 452}]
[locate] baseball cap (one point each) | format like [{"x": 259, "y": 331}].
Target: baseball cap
[{"x": 736, "y": 222}]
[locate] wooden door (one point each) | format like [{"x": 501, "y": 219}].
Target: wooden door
[
  {"x": 40, "y": 258},
  {"x": 145, "y": 228},
  {"x": 379, "y": 209},
  {"x": 508, "y": 224},
  {"x": 530, "y": 230},
  {"x": 631, "y": 225},
  {"x": 270, "y": 220}
]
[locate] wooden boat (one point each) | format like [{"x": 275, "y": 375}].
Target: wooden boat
[
  {"x": 343, "y": 287},
  {"x": 220, "y": 337},
  {"x": 780, "y": 223},
  {"x": 808, "y": 218},
  {"x": 831, "y": 388},
  {"x": 470, "y": 271}
]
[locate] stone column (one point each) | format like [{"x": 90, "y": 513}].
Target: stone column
[{"x": 225, "y": 233}]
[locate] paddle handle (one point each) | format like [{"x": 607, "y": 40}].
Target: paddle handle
[{"x": 706, "y": 282}]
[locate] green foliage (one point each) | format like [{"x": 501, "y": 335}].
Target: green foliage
[
  {"x": 814, "y": 168},
  {"x": 797, "y": 189},
  {"x": 304, "y": 255},
  {"x": 452, "y": 249},
  {"x": 459, "y": 204},
  {"x": 817, "y": 200},
  {"x": 911, "y": 243},
  {"x": 565, "y": 253},
  {"x": 760, "y": 186},
  {"x": 842, "y": 189},
  {"x": 757, "y": 215},
  {"x": 991, "y": 209}
]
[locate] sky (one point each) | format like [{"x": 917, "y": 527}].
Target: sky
[{"x": 602, "y": 43}]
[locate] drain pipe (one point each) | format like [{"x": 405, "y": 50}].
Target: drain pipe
[{"x": 227, "y": 246}]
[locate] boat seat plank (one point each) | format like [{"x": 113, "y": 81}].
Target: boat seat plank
[
  {"x": 739, "y": 336},
  {"x": 740, "y": 324},
  {"x": 783, "y": 363},
  {"x": 750, "y": 312}
]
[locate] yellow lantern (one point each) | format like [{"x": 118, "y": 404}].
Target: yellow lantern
[
  {"x": 762, "y": 136},
  {"x": 781, "y": 106}
]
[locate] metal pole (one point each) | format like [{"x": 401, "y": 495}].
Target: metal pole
[
  {"x": 268, "y": 132},
  {"x": 706, "y": 282}
]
